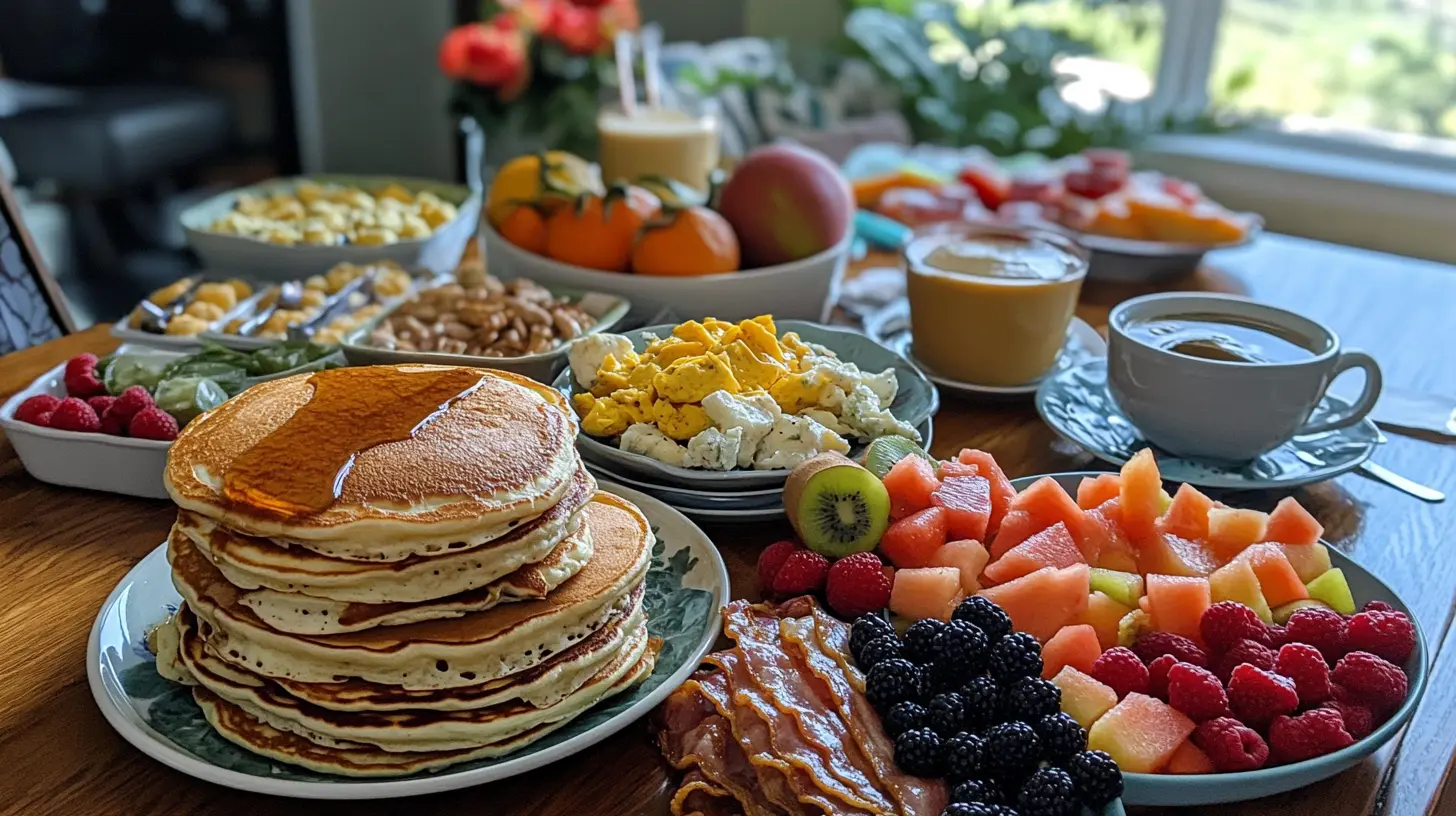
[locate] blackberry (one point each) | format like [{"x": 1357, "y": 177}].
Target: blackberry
[
  {"x": 977, "y": 809},
  {"x": 991, "y": 619},
  {"x": 961, "y": 647},
  {"x": 1016, "y": 655},
  {"x": 1030, "y": 698},
  {"x": 965, "y": 755},
  {"x": 904, "y": 716},
  {"x": 1049, "y": 792},
  {"x": 976, "y": 790},
  {"x": 1011, "y": 749},
  {"x": 866, "y": 629},
  {"x": 892, "y": 681},
  {"x": 946, "y": 713},
  {"x": 982, "y": 702},
  {"x": 918, "y": 752},
  {"x": 920, "y": 640},
  {"x": 877, "y": 651},
  {"x": 1061, "y": 737},
  {"x": 939, "y": 678},
  {"x": 1096, "y": 777}
]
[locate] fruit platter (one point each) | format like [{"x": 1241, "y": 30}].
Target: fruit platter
[
  {"x": 780, "y": 223},
  {"x": 1210, "y": 653}
]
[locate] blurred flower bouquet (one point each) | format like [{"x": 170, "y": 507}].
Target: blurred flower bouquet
[{"x": 533, "y": 70}]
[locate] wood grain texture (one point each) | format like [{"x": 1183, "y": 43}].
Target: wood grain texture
[{"x": 65, "y": 549}]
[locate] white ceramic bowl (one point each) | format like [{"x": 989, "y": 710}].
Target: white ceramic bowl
[
  {"x": 440, "y": 252},
  {"x": 801, "y": 290}
]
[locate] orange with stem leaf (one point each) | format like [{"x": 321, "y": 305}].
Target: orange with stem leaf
[
  {"x": 598, "y": 231},
  {"x": 525, "y": 226},
  {"x": 685, "y": 242}
]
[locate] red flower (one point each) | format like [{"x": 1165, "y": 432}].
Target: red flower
[
  {"x": 619, "y": 15},
  {"x": 591, "y": 4},
  {"x": 484, "y": 55},
  {"x": 576, "y": 27}
]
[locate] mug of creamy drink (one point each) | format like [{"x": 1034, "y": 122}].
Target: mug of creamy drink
[
  {"x": 990, "y": 305},
  {"x": 668, "y": 142}
]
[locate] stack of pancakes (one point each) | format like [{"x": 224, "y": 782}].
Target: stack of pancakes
[{"x": 466, "y": 592}]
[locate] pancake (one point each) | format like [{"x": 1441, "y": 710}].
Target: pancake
[
  {"x": 469, "y": 650},
  {"x": 258, "y": 563},
  {"x": 499, "y": 453},
  {"x": 253, "y": 735},
  {"x": 400, "y": 730}
]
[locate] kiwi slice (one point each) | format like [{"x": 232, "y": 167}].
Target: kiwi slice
[
  {"x": 836, "y": 506},
  {"x": 883, "y": 453}
]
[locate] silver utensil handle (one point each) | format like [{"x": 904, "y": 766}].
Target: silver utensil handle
[{"x": 1380, "y": 473}]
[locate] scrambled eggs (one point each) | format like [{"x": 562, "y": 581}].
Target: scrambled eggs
[
  {"x": 331, "y": 215},
  {"x": 720, "y": 395}
]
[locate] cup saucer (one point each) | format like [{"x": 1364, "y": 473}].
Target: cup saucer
[
  {"x": 891, "y": 327},
  {"x": 1075, "y": 402}
]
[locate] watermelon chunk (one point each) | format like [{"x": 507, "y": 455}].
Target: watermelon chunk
[
  {"x": 910, "y": 483},
  {"x": 1277, "y": 578},
  {"x": 1140, "y": 498},
  {"x": 1001, "y": 490},
  {"x": 1103, "y": 542},
  {"x": 1044, "y": 601},
  {"x": 912, "y": 541},
  {"x": 1084, "y": 698},
  {"x": 1046, "y": 503},
  {"x": 967, "y": 556},
  {"x": 1167, "y": 554},
  {"x": 1141, "y": 733},
  {"x": 1290, "y": 523},
  {"x": 1075, "y": 645},
  {"x": 1235, "y": 581},
  {"x": 1178, "y": 603},
  {"x": 1103, "y": 615},
  {"x": 951, "y": 468},
  {"x": 1052, "y": 547},
  {"x": 926, "y": 593},
  {"x": 1092, "y": 491},
  {"x": 1231, "y": 530},
  {"x": 1187, "y": 516},
  {"x": 967, "y": 503}
]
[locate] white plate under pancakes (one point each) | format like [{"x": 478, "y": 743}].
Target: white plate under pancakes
[{"x": 686, "y": 585}]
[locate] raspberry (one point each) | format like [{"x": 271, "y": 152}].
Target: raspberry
[
  {"x": 1226, "y": 623},
  {"x": 75, "y": 415},
  {"x": 1321, "y": 628},
  {"x": 1155, "y": 644},
  {"x": 1245, "y": 651},
  {"x": 1278, "y": 636},
  {"x": 1158, "y": 676},
  {"x": 802, "y": 573},
  {"x": 1196, "y": 692},
  {"x": 80, "y": 377},
  {"x": 1311, "y": 734},
  {"x": 100, "y": 404},
  {"x": 1257, "y": 696},
  {"x": 857, "y": 585},
  {"x": 1371, "y": 681},
  {"x": 1305, "y": 665},
  {"x": 1378, "y": 606},
  {"x": 770, "y": 561},
  {"x": 1231, "y": 745},
  {"x": 37, "y": 410},
  {"x": 153, "y": 423},
  {"x": 114, "y": 423},
  {"x": 1359, "y": 720},
  {"x": 132, "y": 401},
  {"x": 1122, "y": 670},
  {"x": 1384, "y": 634}
]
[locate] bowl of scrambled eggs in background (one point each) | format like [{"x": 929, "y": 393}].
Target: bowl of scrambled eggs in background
[
  {"x": 737, "y": 405},
  {"x": 295, "y": 227}
]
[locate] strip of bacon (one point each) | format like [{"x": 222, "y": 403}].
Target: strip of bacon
[
  {"x": 789, "y": 686},
  {"x": 693, "y": 735},
  {"x": 698, "y": 796}
]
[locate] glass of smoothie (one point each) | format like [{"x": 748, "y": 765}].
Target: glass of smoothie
[
  {"x": 990, "y": 304},
  {"x": 677, "y": 144}
]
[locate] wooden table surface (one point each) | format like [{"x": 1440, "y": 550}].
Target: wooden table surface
[{"x": 62, "y": 551}]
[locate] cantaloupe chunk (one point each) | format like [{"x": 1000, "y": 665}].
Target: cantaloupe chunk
[
  {"x": 1230, "y": 530},
  {"x": 1290, "y": 523},
  {"x": 1001, "y": 490},
  {"x": 1187, "y": 516},
  {"x": 1178, "y": 603},
  {"x": 1236, "y": 581},
  {"x": 1052, "y": 547},
  {"x": 1074, "y": 645},
  {"x": 1046, "y": 503},
  {"x": 1141, "y": 733},
  {"x": 967, "y": 556},
  {"x": 1044, "y": 601},
  {"x": 1190, "y": 759},
  {"x": 1084, "y": 698},
  {"x": 1310, "y": 561},
  {"x": 1167, "y": 554},
  {"x": 1103, "y": 542},
  {"x": 928, "y": 592},
  {"x": 1092, "y": 491},
  {"x": 1277, "y": 578},
  {"x": 1140, "y": 497},
  {"x": 1103, "y": 614}
]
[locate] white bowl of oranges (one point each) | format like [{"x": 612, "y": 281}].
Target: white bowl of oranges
[{"x": 776, "y": 240}]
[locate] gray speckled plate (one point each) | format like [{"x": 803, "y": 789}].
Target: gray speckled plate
[
  {"x": 1076, "y": 404},
  {"x": 916, "y": 401}
]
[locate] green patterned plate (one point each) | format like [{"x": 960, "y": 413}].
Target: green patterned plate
[{"x": 686, "y": 586}]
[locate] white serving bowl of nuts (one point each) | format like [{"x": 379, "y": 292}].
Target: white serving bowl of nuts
[
  {"x": 295, "y": 227},
  {"x": 478, "y": 320}
]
